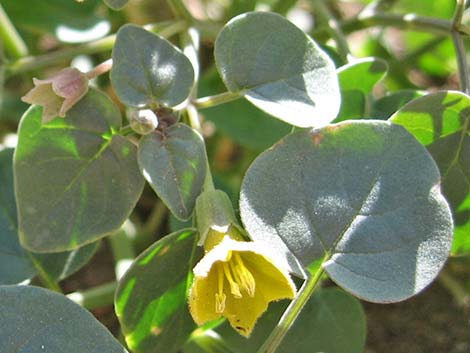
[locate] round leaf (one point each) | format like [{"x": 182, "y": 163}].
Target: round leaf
[
  {"x": 365, "y": 194},
  {"x": 149, "y": 70},
  {"x": 440, "y": 121},
  {"x": 33, "y": 319},
  {"x": 75, "y": 180},
  {"x": 151, "y": 299},
  {"x": 174, "y": 162},
  {"x": 116, "y": 4},
  {"x": 356, "y": 81},
  {"x": 278, "y": 68}
]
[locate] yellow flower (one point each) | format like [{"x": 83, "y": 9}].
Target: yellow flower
[
  {"x": 59, "y": 93},
  {"x": 237, "y": 280}
]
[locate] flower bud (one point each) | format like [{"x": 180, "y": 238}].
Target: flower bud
[
  {"x": 142, "y": 121},
  {"x": 58, "y": 94}
]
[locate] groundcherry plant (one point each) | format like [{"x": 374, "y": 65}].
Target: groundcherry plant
[{"x": 294, "y": 173}]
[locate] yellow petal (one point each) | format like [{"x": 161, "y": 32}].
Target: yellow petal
[{"x": 202, "y": 300}]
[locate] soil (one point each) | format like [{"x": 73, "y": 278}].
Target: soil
[{"x": 431, "y": 322}]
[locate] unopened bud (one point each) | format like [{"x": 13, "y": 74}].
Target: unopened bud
[{"x": 142, "y": 121}]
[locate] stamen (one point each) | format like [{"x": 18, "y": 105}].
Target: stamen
[
  {"x": 220, "y": 296},
  {"x": 243, "y": 276},
  {"x": 234, "y": 288}
]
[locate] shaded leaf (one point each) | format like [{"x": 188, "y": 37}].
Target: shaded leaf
[
  {"x": 151, "y": 299},
  {"x": 279, "y": 69},
  {"x": 76, "y": 180},
  {"x": 332, "y": 321},
  {"x": 174, "y": 162},
  {"x": 440, "y": 121},
  {"x": 34, "y": 319},
  {"x": 356, "y": 81},
  {"x": 15, "y": 265},
  {"x": 385, "y": 107},
  {"x": 365, "y": 194},
  {"x": 149, "y": 70}
]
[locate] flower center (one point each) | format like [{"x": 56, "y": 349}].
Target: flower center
[{"x": 239, "y": 279}]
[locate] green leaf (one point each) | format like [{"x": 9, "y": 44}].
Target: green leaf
[
  {"x": 440, "y": 121},
  {"x": 278, "y": 68},
  {"x": 59, "y": 266},
  {"x": 356, "y": 81},
  {"x": 365, "y": 194},
  {"x": 149, "y": 70},
  {"x": 174, "y": 162},
  {"x": 69, "y": 21},
  {"x": 240, "y": 120},
  {"x": 385, "y": 107},
  {"x": 15, "y": 265},
  {"x": 151, "y": 299},
  {"x": 34, "y": 319},
  {"x": 76, "y": 180},
  {"x": 332, "y": 321},
  {"x": 116, "y": 4}
]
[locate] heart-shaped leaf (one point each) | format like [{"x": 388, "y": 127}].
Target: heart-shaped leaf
[
  {"x": 34, "y": 319},
  {"x": 356, "y": 81},
  {"x": 440, "y": 121},
  {"x": 151, "y": 299},
  {"x": 332, "y": 321},
  {"x": 174, "y": 162},
  {"x": 278, "y": 68},
  {"x": 148, "y": 70},
  {"x": 362, "y": 194},
  {"x": 76, "y": 180}
]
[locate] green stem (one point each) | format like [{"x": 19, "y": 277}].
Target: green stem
[
  {"x": 459, "y": 45},
  {"x": 334, "y": 27},
  {"x": 292, "y": 312},
  {"x": 101, "y": 45},
  {"x": 461, "y": 296},
  {"x": 123, "y": 251},
  {"x": 408, "y": 22},
  {"x": 180, "y": 10},
  {"x": 211, "y": 101},
  {"x": 44, "y": 277},
  {"x": 12, "y": 41},
  {"x": 95, "y": 297}
]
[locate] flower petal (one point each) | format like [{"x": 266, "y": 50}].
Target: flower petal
[{"x": 202, "y": 303}]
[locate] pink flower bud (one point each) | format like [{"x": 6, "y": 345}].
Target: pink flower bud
[{"x": 58, "y": 94}]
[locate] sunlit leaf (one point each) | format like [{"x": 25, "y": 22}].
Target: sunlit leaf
[
  {"x": 279, "y": 69},
  {"x": 363, "y": 194},
  {"x": 151, "y": 299},
  {"x": 440, "y": 121},
  {"x": 356, "y": 81},
  {"x": 76, "y": 180},
  {"x": 34, "y": 319},
  {"x": 149, "y": 70}
]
